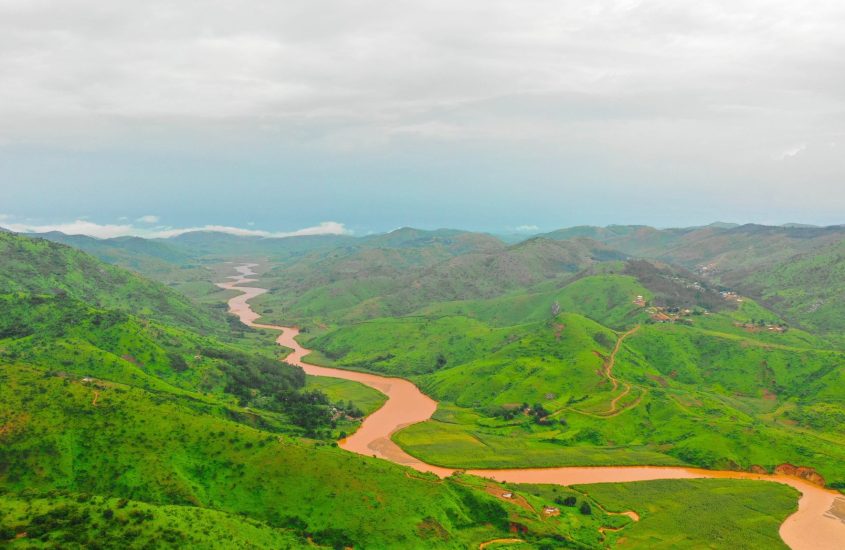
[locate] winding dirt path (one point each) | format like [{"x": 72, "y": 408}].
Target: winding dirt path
[
  {"x": 815, "y": 526},
  {"x": 484, "y": 545},
  {"x": 608, "y": 371}
]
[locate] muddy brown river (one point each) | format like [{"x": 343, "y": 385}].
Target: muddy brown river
[{"x": 817, "y": 525}]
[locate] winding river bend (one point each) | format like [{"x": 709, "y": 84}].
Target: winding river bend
[{"x": 814, "y": 526}]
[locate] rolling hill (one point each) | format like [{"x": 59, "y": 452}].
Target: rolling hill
[
  {"x": 39, "y": 266},
  {"x": 382, "y": 282},
  {"x": 114, "y": 427},
  {"x": 524, "y": 380},
  {"x": 126, "y": 422}
]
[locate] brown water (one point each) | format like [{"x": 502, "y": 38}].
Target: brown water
[{"x": 816, "y": 525}]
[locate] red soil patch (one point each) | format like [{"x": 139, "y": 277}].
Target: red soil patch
[
  {"x": 519, "y": 500},
  {"x": 15, "y": 424},
  {"x": 131, "y": 359},
  {"x": 517, "y": 528},
  {"x": 802, "y": 472}
]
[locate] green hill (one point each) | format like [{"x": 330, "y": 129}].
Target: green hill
[
  {"x": 152, "y": 448},
  {"x": 131, "y": 252},
  {"x": 808, "y": 288},
  {"x": 523, "y": 378},
  {"x": 126, "y": 422},
  {"x": 725, "y": 246},
  {"x": 114, "y": 427},
  {"x": 38, "y": 266},
  {"x": 381, "y": 282}
]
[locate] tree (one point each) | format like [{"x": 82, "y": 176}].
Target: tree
[{"x": 585, "y": 508}]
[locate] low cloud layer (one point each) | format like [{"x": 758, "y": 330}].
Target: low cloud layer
[{"x": 107, "y": 231}]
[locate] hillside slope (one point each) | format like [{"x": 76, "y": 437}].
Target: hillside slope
[
  {"x": 541, "y": 378},
  {"x": 381, "y": 282},
  {"x": 808, "y": 288},
  {"x": 38, "y": 266}
]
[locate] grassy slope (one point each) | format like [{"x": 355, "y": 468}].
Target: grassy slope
[
  {"x": 663, "y": 417},
  {"x": 139, "y": 430},
  {"x": 349, "y": 286},
  {"x": 70, "y": 520},
  {"x": 710, "y": 514},
  {"x": 809, "y": 288},
  {"x": 364, "y": 397},
  {"x": 152, "y": 448},
  {"x": 605, "y": 298},
  {"x": 795, "y": 271},
  {"x": 166, "y": 445},
  {"x": 760, "y": 394},
  {"x": 149, "y": 257},
  {"x": 42, "y": 267}
]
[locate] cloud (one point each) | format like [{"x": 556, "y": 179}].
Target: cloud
[
  {"x": 324, "y": 228},
  {"x": 610, "y": 98},
  {"x": 526, "y": 229},
  {"x": 77, "y": 227},
  {"x": 791, "y": 152},
  {"x": 399, "y": 67},
  {"x": 149, "y": 218},
  {"x": 107, "y": 231}
]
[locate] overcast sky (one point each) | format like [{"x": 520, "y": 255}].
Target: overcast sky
[{"x": 275, "y": 116}]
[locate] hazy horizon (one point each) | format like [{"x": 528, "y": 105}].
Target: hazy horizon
[{"x": 149, "y": 226}]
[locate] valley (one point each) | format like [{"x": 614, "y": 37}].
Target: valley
[
  {"x": 811, "y": 527},
  {"x": 431, "y": 373}
]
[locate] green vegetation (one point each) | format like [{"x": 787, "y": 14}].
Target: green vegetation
[
  {"x": 710, "y": 514},
  {"x": 98, "y": 404},
  {"x": 60, "y": 334},
  {"x": 117, "y": 430},
  {"x": 169, "y": 451},
  {"x": 356, "y": 283},
  {"x": 809, "y": 288},
  {"x": 127, "y": 410},
  {"x": 534, "y": 391},
  {"x": 66, "y": 520},
  {"x": 38, "y": 266},
  {"x": 363, "y": 398}
]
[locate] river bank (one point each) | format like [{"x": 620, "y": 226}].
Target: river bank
[{"x": 815, "y": 526}]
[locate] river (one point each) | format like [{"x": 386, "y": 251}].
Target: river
[{"x": 813, "y": 527}]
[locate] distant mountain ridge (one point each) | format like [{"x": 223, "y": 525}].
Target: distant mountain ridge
[{"x": 473, "y": 265}]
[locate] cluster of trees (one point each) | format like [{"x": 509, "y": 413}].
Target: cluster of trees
[
  {"x": 537, "y": 412},
  {"x": 571, "y": 501},
  {"x": 350, "y": 409},
  {"x": 268, "y": 384}
]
